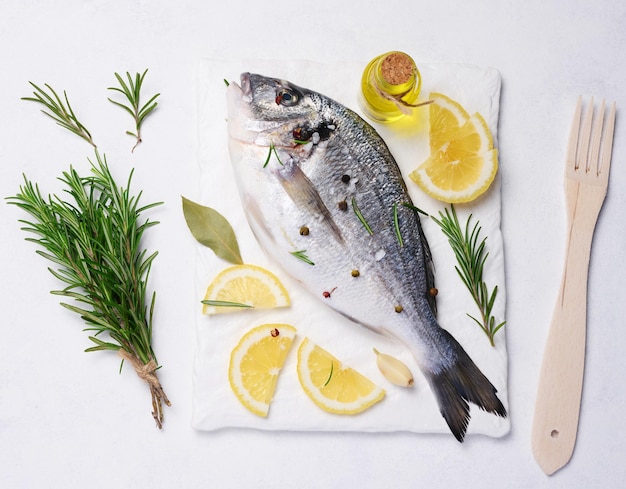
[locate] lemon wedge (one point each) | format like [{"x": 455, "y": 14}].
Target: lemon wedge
[
  {"x": 446, "y": 116},
  {"x": 255, "y": 364},
  {"x": 333, "y": 386},
  {"x": 463, "y": 163},
  {"x": 244, "y": 286},
  {"x": 459, "y": 180}
]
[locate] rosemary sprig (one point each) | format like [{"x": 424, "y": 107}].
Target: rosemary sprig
[
  {"x": 408, "y": 205},
  {"x": 132, "y": 92},
  {"x": 301, "y": 255},
  {"x": 359, "y": 215},
  {"x": 226, "y": 304},
  {"x": 396, "y": 225},
  {"x": 61, "y": 112},
  {"x": 330, "y": 376},
  {"x": 269, "y": 155},
  {"x": 94, "y": 240},
  {"x": 471, "y": 257}
]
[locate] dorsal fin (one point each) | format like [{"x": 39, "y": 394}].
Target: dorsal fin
[{"x": 428, "y": 265}]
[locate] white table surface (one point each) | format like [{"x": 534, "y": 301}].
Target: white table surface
[{"x": 68, "y": 419}]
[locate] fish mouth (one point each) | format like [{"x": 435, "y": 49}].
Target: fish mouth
[{"x": 246, "y": 87}]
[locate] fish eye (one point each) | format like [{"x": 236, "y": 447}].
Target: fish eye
[{"x": 286, "y": 97}]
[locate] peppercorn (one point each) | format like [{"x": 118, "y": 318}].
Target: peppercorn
[
  {"x": 343, "y": 205},
  {"x": 304, "y": 231},
  {"x": 398, "y": 308},
  {"x": 327, "y": 294},
  {"x": 355, "y": 273}
]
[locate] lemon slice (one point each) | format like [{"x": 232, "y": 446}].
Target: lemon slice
[
  {"x": 446, "y": 116},
  {"x": 463, "y": 163},
  {"x": 256, "y": 362},
  {"x": 457, "y": 181},
  {"x": 331, "y": 385},
  {"x": 473, "y": 137},
  {"x": 244, "y": 286}
]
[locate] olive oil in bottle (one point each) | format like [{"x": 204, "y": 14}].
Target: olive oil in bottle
[{"x": 390, "y": 86}]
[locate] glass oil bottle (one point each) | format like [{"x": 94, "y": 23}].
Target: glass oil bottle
[{"x": 390, "y": 87}]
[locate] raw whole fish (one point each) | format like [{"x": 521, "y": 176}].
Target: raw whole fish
[{"x": 326, "y": 200}]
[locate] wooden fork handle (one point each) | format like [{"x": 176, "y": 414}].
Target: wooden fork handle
[{"x": 557, "y": 406}]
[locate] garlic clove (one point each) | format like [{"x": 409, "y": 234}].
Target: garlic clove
[{"x": 393, "y": 369}]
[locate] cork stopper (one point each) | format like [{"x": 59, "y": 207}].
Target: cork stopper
[{"x": 397, "y": 68}]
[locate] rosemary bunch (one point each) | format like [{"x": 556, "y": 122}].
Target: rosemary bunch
[
  {"x": 94, "y": 242},
  {"x": 471, "y": 257}
]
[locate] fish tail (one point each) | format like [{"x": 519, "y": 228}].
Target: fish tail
[{"x": 460, "y": 383}]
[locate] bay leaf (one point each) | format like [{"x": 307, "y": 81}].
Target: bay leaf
[{"x": 212, "y": 229}]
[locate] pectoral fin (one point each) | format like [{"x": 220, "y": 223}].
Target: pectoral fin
[{"x": 304, "y": 194}]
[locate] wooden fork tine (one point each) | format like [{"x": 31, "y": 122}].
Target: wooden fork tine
[
  {"x": 585, "y": 138},
  {"x": 607, "y": 145},
  {"x": 572, "y": 144},
  {"x": 593, "y": 163}
]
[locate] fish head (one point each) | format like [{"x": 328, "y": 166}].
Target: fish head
[{"x": 267, "y": 111}]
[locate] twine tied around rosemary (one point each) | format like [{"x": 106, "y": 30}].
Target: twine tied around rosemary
[{"x": 147, "y": 373}]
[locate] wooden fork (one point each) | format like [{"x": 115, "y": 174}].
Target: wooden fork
[{"x": 560, "y": 386}]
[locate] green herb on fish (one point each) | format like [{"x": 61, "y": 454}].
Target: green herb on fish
[
  {"x": 132, "y": 92},
  {"x": 414, "y": 208},
  {"x": 94, "y": 242},
  {"x": 396, "y": 225},
  {"x": 226, "y": 82},
  {"x": 269, "y": 155},
  {"x": 212, "y": 229},
  {"x": 471, "y": 257},
  {"x": 61, "y": 112},
  {"x": 301, "y": 255},
  {"x": 357, "y": 211},
  {"x": 226, "y": 304}
]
